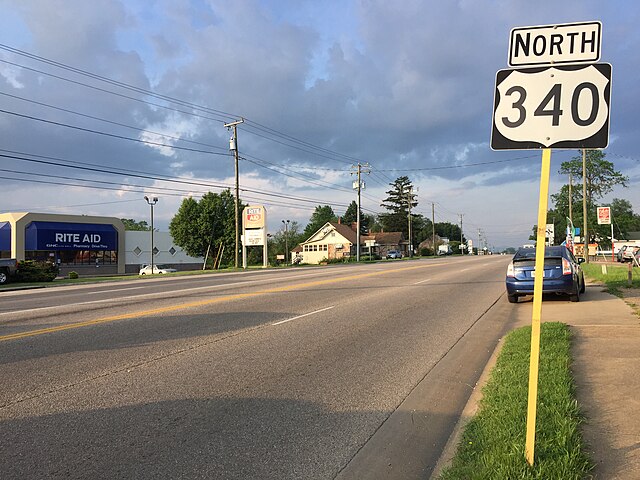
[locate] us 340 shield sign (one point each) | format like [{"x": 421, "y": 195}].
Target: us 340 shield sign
[{"x": 552, "y": 107}]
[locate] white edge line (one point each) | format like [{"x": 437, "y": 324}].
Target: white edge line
[
  {"x": 301, "y": 316},
  {"x": 422, "y": 281}
]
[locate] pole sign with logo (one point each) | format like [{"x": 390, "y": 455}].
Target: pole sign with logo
[
  {"x": 254, "y": 232},
  {"x": 560, "y": 100},
  {"x": 604, "y": 215},
  {"x": 604, "y": 218}
]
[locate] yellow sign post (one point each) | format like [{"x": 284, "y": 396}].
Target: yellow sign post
[
  {"x": 534, "y": 358},
  {"x": 562, "y": 101}
]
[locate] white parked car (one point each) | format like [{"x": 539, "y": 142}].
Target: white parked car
[{"x": 157, "y": 269}]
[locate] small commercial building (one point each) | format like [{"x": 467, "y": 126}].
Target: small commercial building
[{"x": 87, "y": 245}]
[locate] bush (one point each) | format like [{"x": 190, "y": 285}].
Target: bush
[
  {"x": 339, "y": 260},
  {"x": 73, "y": 275},
  {"x": 36, "y": 271},
  {"x": 426, "y": 252}
]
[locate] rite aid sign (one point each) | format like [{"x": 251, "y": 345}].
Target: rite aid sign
[
  {"x": 604, "y": 215},
  {"x": 556, "y": 105}
]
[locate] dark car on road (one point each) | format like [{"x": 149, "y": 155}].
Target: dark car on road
[{"x": 562, "y": 273}]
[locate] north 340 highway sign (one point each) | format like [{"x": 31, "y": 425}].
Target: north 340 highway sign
[{"x": 552, "y": 107}]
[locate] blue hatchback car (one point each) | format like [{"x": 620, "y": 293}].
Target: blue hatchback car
[{"x": 562, "y": 273}]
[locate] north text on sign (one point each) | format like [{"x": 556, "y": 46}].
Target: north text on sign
[{"x": 555, "y": 44}]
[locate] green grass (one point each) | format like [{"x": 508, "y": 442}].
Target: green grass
[
  {"x": 616, "y": 277},
  {"x": 493, "y": 443}
]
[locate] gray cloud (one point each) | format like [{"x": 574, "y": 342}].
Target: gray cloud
[{"x": 404, "y": 87}]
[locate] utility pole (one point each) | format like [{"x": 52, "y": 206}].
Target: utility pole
[
  {"x": 233, "y": 145},
  {"x": 358, "y": 187},
  {"x": 433, "y": 227},
  {"x": 584, "y": 205},
  {"x": 409, "y": 200},
  {"x": 479, "y": 241},
  {"x": 570, "y": 201},
  {"x": 286, "y": 241},
  {"x": 461, "y": 243}
]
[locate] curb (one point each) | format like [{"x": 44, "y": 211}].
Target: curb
[{"x": 469, "y": 411}]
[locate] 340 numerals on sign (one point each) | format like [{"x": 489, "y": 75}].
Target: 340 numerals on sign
[
  {"x": 552, "y": 107},
  {"x": 554, "y": 95}
]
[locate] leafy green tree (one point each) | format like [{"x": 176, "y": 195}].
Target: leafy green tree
[
  {"x": 198, "y": 226},
  {"x": 131, "y": 225},
  {"x": 397, "y": 205},
  {"x": 601, "y": 175},
  {"x": 277, "y": 242},
  {"x": 373, "y": 223},
  {"x": 421, "y": 229},
  {"x": 624, "y": 218},
  {"x": 450, "y": 231},
  {"x": 600, "y": 180},
  {"x": 321, "y": 215}
]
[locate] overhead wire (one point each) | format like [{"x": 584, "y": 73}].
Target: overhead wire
[{"x": 86, "y": 167}]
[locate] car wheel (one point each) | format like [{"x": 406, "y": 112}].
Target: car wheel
[
  {"x": 4, "y": 278},
  {"x": 576, "y": 296},
  {"x": 512, "y": 298},
  {"x": 584, "y": 287}
]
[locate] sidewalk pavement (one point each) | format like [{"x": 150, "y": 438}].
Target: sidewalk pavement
[{"x": 606, "y": 369}]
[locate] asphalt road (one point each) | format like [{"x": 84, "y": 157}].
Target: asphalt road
[{"x": 342, "y": 371}]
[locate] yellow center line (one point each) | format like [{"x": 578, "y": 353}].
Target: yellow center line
[{"x": 200, "y": 303}]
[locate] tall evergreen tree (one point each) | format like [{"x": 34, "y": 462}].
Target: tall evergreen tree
[{"x": 397, "y": 205}]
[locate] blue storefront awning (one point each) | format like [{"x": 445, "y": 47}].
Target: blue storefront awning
[
  {"x": 5, "y": 236},
  {"x": 70, "y": 236}
]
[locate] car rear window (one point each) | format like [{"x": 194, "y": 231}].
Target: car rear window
[
  {"x": 530, "y": 253},
  {"x": 531, "y": 262}
]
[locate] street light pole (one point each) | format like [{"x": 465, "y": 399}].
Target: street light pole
[
  {"x": 286, "y": 241},
  {"x": 151, "y": 201}
]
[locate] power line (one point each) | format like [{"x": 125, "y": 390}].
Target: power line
[
  {"x": 110, "y": 121},
  {"x": 113, "y": 135},
  {"x": 166, "y": 179},
  {"x": 223, "y": 116}
]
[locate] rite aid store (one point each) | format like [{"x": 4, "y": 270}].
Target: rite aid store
[{"x": 75, "y": 242}]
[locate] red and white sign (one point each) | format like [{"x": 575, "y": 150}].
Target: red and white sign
[
  {"x": 254, "y": 217},
  {"x": 604, "y": 215}
]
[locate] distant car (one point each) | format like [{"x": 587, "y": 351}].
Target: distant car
[
  {"x": 394, "y": 254},
  {"x": 562, "y": 273},
  {"x": 157, "y": 269},
  {"x": 620, "y": 253},
  {"x": 629, "y": 253}
]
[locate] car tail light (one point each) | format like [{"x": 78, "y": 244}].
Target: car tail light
[
  {"x": 566, "y": 267},
  {"x": 511, "y": 272}
]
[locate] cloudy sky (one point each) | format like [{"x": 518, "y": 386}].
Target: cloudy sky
[{"x": 106, "y": 101}]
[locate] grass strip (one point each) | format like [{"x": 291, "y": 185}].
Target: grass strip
[
  {"x": 493, "y": 442},
  {"x": 616, "y": 278}
]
